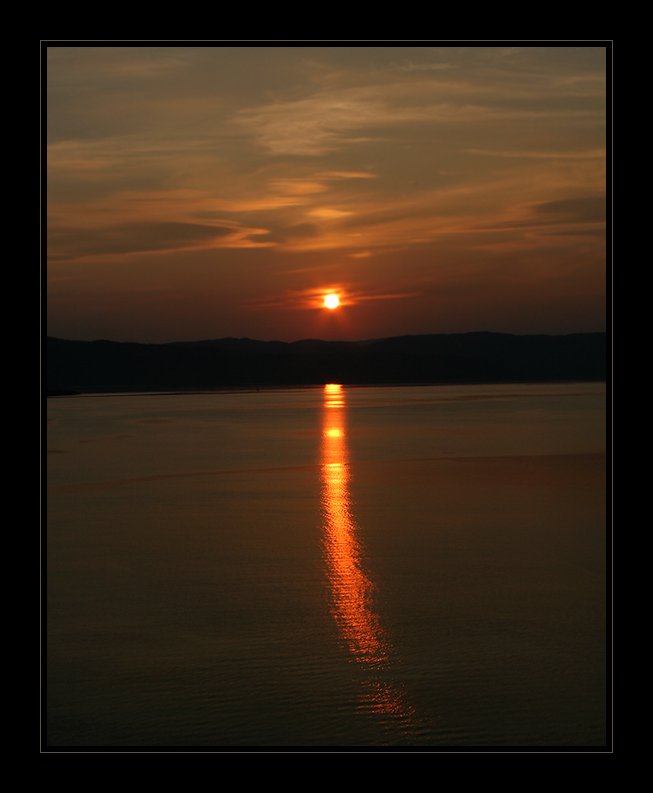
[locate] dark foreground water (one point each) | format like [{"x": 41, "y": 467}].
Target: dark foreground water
[{"x": 328, "y": 567}]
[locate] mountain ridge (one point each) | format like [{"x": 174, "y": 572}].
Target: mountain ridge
[{"x": 475, "y": 357}]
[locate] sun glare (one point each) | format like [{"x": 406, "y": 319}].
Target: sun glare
[{"x": 331, "y": 301}]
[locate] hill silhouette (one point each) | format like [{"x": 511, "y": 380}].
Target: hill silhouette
[{"x": 458, "y": 358}]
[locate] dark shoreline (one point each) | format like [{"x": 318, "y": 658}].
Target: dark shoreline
[{"x": 78, "y": 367}]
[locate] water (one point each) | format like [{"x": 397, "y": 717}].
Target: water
[{"x": 328, "y": 567}]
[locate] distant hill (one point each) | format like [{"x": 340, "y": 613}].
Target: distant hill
[{"x": 107, "y": 366}]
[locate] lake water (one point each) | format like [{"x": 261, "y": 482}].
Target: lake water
[{"x": 328, "y": 567}]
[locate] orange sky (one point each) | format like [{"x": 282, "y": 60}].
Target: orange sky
[{"x": 202, "y": 192}]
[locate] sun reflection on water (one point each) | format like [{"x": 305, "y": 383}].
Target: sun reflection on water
[{"x": 350, "y": 587}]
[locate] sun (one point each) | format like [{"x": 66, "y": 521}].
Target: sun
[{"x": 332, "y": 301}]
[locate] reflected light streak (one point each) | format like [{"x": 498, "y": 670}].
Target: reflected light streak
[{"x": 351, "y": 589}]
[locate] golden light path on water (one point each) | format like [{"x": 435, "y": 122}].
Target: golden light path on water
[{"x": 350, "y": 588}]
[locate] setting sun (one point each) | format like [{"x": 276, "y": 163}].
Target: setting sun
[{"x": 331, "y": 301}]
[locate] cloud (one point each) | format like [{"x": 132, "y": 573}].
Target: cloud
[
  {"x": 327, "y": 120},
  {"x": 141, "y": 237},
  {"x": 328, "y": 213},
  {"x": 348, "y": 175},
  {"x": 593, "y": 154},
  {"x": 311, "y": 126},
  {"x": 427, "y": 67},
  {"x": 589, "y": 209}
]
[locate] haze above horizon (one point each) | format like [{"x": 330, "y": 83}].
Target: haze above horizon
[{"x": 199, "y": 193}]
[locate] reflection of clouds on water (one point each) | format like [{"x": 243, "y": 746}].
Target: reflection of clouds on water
[{"x": 351, "y": 590}]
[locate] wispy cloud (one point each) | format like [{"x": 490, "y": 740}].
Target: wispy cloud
[
  {"x": 325, "y": 121},
  {"x": 592, "y": 154},
  {"x": 427, "y": 67},
  {"x": 587, "y": 209},
  {"x": 69, "y": 243}
]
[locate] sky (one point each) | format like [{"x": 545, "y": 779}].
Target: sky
[{"x": 200, "y": 192}]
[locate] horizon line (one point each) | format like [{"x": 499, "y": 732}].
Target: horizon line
[{"x": 330, "y": 341}]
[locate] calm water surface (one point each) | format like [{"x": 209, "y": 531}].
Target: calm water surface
[{"x": 328, "y": 567}]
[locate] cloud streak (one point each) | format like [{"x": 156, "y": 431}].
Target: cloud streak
[
  {"x": 312, "y": 298},
  {"x": 67, "y": 244}
]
